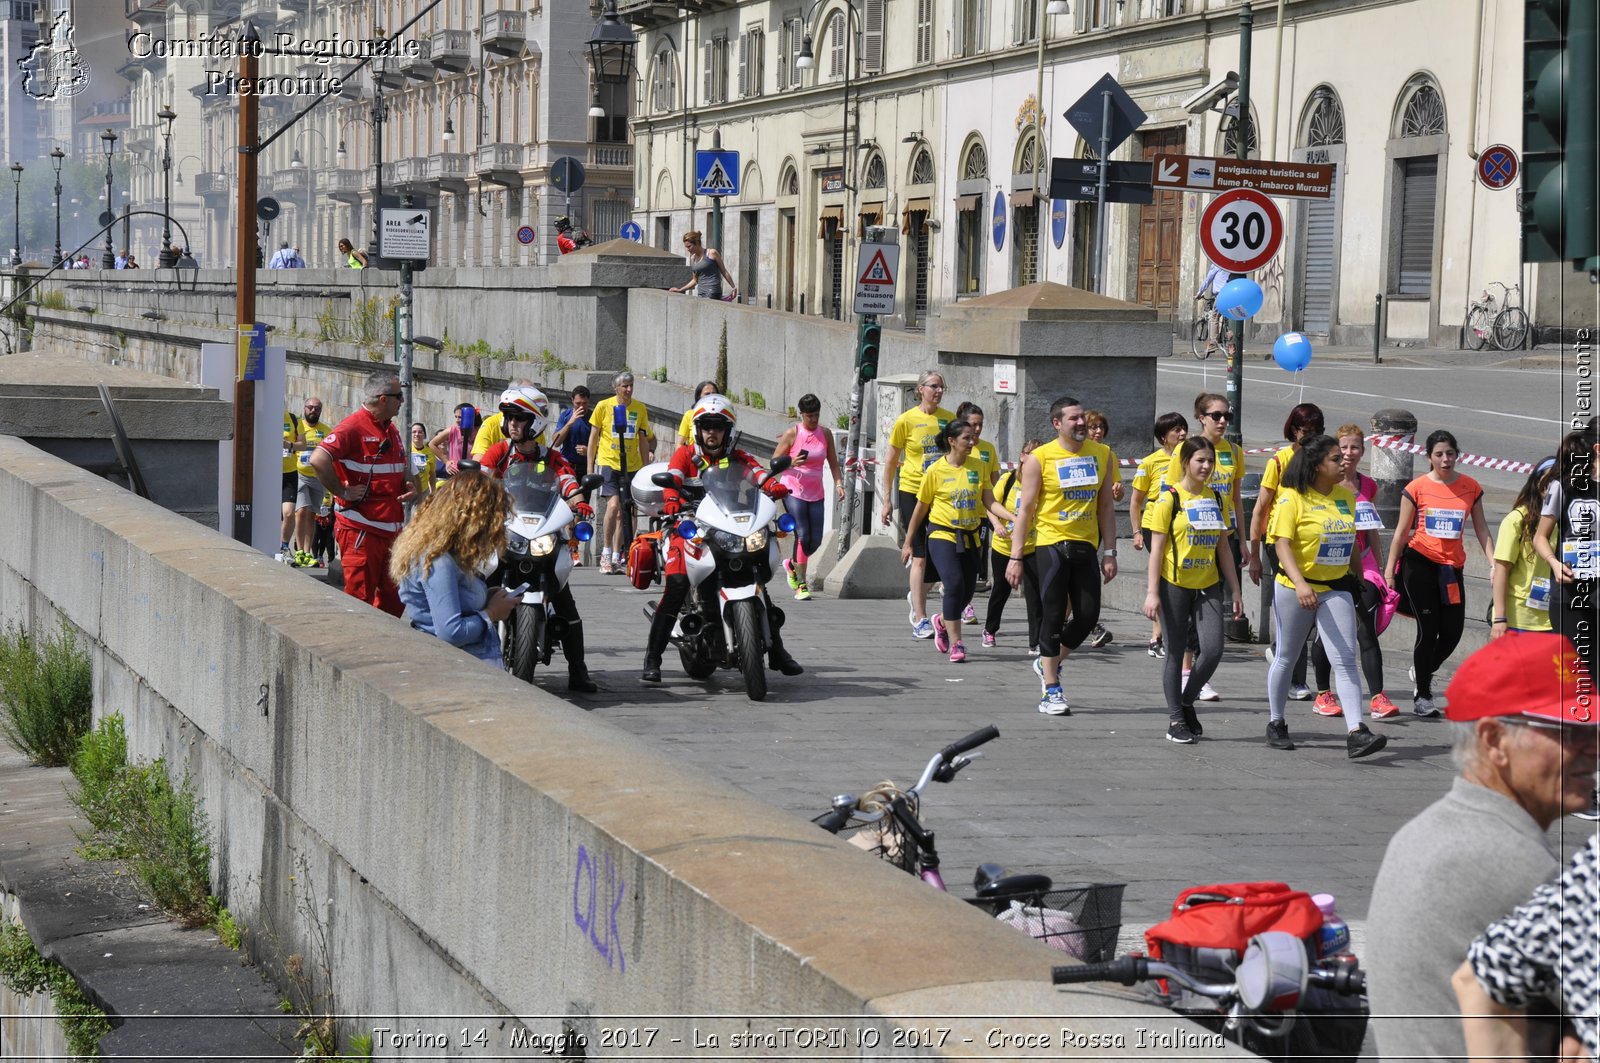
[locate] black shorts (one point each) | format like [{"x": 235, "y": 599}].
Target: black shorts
[
  {"x": 291, "y": 486},
  {"x": 609, "y": 479},
  {"x": 907, "y": 503}
]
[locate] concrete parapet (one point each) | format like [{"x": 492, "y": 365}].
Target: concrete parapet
[{"x": 477, "y": 848}]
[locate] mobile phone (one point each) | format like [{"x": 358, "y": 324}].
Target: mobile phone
[
  {"x": 802, "y": 456},
  {"x": 517, "y": 592}
]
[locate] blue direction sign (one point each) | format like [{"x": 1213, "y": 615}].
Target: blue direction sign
[
  {"x": 1058, "y": 221},
  {"x": 716, "y": 173},
  {"x": 998, "y": 221},
  {"x": 631, "y": 231}
]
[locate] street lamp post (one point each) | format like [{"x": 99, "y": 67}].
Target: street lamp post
[
  {"x": 380, "y": 112},
  {"x": 108, "y": 260},
  {"x": 167, "y": 115},
  {"x": 611, "y": 46},
  {"x": 296, "y": 163},
  {"x": 16, "y": 210},
  {"x": 57, "y": 156}
]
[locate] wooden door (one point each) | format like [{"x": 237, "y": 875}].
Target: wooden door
[{"x": 1160, "y": 229}]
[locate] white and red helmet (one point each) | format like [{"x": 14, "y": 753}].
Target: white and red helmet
[
  {"x": 527, "y": 403},
  {"x": 715, "y": 411}
]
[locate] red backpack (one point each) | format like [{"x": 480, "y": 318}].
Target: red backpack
[{"x": 1229, "y": 915}]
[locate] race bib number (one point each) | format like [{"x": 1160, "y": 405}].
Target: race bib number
[
  {"x": 1444, "y": 523},
  {"x": 1203, "y": 514},
  {"x": 418, "y": 463},
  {"x": 1077, "y": 472},
  {"x": 1539, "y": 594},
  {"x": 1367, "y": 518},
  {"x": 305, "y": 461},
  {"x": 286, "y": 452},
  {"x": 1582, "y": 557},
  {"x": 1335, "y": 549}
]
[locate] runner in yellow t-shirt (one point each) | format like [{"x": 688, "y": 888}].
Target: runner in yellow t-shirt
[
  {"x": 911, "y": 449},
  {"x": 310, "y": 495},
  {"x": 1066, "y": 500},
  {"x": 1304, "y": 421},
  {"x": 1189, "y": 555},
  {"x": 686, "y": 425},
  {"x": 1149, "y": 478},
  {"x": 1006, "y": 492},
  {"x": 619, "y": 446},
  {"x": 953, "y": 499}
]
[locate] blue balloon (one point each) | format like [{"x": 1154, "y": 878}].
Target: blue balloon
[
  {"x": 1240, "y": 299},
  {"x": 1292, "y": 351}
]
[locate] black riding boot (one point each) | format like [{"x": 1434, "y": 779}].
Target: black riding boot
[
  {"x": 777, "y": 657},
  {"x": 578, "y": 680},
  {"x": 660, "y": 634}
]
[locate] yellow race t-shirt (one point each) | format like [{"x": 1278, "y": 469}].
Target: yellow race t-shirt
[
  {"x": 1271, "y": 477},
  {"x": 1227, "y": 474},
  {"x": 1528, "y": 582},
  {"x": 425, "y": 466},
  {"x": 916, "y": 436},
  {"x": 984, "y": 451},
  {"x": 1322, "y": 529},
  {"x": 1193, "y": 525},
  {"x": 1151, "y": 474},
  {"x": 313, "y": 434},
  {"x": 954, "y": 495},
  {"x": 492, "y": 431},
  {"x": 686, "y": 427},
  {"x": 1010, "y": 488},
  {"x": 1069, "y": 491},
  {"x": 609, "y": 453},
  {"x": 291, "y": 435}
]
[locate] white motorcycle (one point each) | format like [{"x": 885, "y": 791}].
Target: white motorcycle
[
  {"x": 729, "y": 538},
  {"x": 537, "y": 562}
]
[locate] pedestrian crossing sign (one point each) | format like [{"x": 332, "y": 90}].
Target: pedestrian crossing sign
[{"x": 716, "y": 173}]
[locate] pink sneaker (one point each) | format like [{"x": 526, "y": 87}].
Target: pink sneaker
[
  {"x": 1327, "y": 704},
  {"x": 941, "y": 638},
  {"x": 958, "y": 653},
  {"x": 988, "y": 639}
]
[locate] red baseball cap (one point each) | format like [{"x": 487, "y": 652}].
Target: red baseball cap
[{"x": 1537, "y": 675}]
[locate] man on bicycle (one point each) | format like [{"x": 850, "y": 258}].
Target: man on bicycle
[
  {"x": 714, "y": 422},
  {"x": 1215, "y": 278}
]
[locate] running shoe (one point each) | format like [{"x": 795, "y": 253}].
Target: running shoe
[
  {"x": 1383, "y": 708},
  {"x": 1363, "y": 743},
  {"x": 941, "y": 638},
  {"x": 1591, "y": 813},
  {"x": 1155, "y": 648},
  {"x": 988, "y": 639},
  {"x": 577, "y": 561},
  {"x": 1054, "y": 703},
  {"x": 1038, "y": 667},
  {"x": 968, "y": 616},
  {"x": 911, "y": 611},
  {"x": 958, "y": 653},
  {"x": 1327, "y": 704},
  {"x": 605, "y": 566},
  {"x": 802, "y": 593},
  {"x": 1208, "y": 694},
  {"x": 922, "y": 629},
  {"x": 1179, "y": 732},
  {"x": 1033, "y": 651},
  {"x": 1424, "y": 707},
  {"x": 1098, "y": 637},
  {"x": 1278, "y": 735},
  {"x": 794, "y": 580},
  {"x": 1299, "y": 692}
]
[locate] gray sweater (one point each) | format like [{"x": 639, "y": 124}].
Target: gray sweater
[{"x": 1466, "y": 860}]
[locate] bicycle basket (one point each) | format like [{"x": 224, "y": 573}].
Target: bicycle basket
[
  {"x": 885, "y": 838},
  {"x": 1081, "y": 921}
]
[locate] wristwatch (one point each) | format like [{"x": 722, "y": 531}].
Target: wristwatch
[{"x": 1109, "y": 552}]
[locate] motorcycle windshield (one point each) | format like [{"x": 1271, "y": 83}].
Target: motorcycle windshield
[
  {"x": 532, "y": 487},
  {"x": 732, "y": 491}
]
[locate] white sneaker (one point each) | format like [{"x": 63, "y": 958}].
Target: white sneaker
[
  {"x": 1208, "y": 694},
  {"x": 1054, "y": 703},
  {"x": 922, "y": 629},
  {"x": 1038, "y": 670},
  {"x": 1299, "y": 692}
]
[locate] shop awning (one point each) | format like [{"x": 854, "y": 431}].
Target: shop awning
[
  {"x": 1023, "y": 198},
  {"x": 967, "y": 202},
  {"x": 914, "y": 206},
  {"x": 835, "y": 215},
  {"x": 868, "y": 214}
]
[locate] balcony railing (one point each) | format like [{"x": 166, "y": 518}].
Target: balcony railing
[
  {"x": 419, "y": 67},
  {"x": 209, "y": 183},
  {"x": 406, "y": 173},
  {"x": 342, "y": 184},
  {"x": 505, "y": 32},
  {"x": 498, "y": 158},
  {"x": 451, "y": 49},
  {"x": 611, "y": 155},
  {"x": 450, "y": 169},
  {"x": 145, "y": 12},
  {"x": 263, "y": 14},
  {"x": 289, "y": 182}
]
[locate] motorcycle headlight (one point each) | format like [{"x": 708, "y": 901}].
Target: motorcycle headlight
[
  {"x": 516, "y": 543},
  {"x": 756, "y": 540},
  {"x": 543, "y": 546},
  {"x": 728, "y": 542}
]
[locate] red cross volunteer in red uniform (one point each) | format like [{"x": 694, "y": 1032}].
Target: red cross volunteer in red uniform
[{"x": 364, "y": 465}]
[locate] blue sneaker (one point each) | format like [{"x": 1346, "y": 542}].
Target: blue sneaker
[
  {"x": 922, "y": 629},
  {"x": 1054, "y": 703}
]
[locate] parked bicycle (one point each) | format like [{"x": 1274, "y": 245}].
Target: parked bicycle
[
  {"x": 1501, "y": 322},
  {"x": 1082, "y": 921},
  {"x": 1210, "y": 331}
]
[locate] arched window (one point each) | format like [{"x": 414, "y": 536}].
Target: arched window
[
  {"x": 789, "y": 182},
  {"x": 975, "y": 164},
  {"x": 922, "y": 168},
  {"x": 664, "y": 81},
  {"x": 875, "y": 177},
  {"x": 1029, "y": 158},
  {"x": 835, "y": 36},
  {"x": 1421, "y": 109},
  {"x": 1230, "y": 138},
  {"x": 1417, "y": 146},
  {"x": 1324, "y": 119}
]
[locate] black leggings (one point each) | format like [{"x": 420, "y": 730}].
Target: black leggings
[
  {"x": 1424, "y": 590},
  {"x": 1000, "y": 593},
  {"x": 1200, "y": 613},
  {"x": 1066, "y": 572},
  {"x": 957, "y": 565},
  {"x": 1366, "y": 637},
  {"x": 1269, "y": 559}
]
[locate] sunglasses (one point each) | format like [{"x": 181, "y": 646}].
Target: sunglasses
[
  {"x": 392, "y": 395},
  {"x": 1222, "y": 417},
  {"x": 1569, "y": 731}
]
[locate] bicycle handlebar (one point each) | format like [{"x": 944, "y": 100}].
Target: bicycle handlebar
[
  {"x": 1126, "y": 970},
  {"x": 972, "y": 741},
  {"x": 834, "y": 819},
  {"x": 1343, "y": 978}
]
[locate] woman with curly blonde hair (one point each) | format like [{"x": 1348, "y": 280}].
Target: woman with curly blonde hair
[{"x": 456, "y": 532}]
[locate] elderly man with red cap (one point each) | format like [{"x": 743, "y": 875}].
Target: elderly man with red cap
[{"x": 1525, "y": 720}]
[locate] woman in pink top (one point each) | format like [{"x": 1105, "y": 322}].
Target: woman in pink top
[
  {"x": 808, "y": 445},
  {"x": 455, "y": 442}
]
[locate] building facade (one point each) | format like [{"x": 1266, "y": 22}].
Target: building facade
[{"x": 941, "y": 116}]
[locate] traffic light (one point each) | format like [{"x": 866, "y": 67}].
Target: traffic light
[
  {"x": 1559, "y": 220},
  {"x": 868, "y": 335}
]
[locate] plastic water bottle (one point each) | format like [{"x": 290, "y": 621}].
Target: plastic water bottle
[{"x": 1334, "y": 937}]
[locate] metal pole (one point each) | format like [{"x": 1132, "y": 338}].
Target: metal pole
[
  {"x": 244, "y": 391},
  {"x": 166, "y": 200},
  {"x": 403, "y": 334},
  {"x": 57, "y": 153},
  {"x": 16, "y": 208},
  {"x": 854, "y": 469},
  {"x": 108, "y": 258},
  {"x": 1100, "y": 194},
  {"x": 379, "y": 113},
  {"x": 1241, "y": 150},
  {"x": 127, "y": 221},
  {"x": 714, "y": 228},
  {"x": 1377, "y": 328}
]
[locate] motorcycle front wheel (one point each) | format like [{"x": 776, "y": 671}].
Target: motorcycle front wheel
[
  {"x": 527, "y": 636},
  {"x": 750, "y": 646}
]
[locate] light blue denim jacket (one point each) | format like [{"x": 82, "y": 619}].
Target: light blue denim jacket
[{"x": 449, "y": 603}]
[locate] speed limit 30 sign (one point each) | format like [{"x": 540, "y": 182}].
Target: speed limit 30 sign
[{"x": 1241, "y": 230}]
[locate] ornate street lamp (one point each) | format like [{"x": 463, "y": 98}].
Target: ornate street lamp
[
  {"x": 57, "y": 156},
  {"x": 16, "y": 209},
  {"x": 167, "y": 116},
  {"x": 108, "y": 260}
]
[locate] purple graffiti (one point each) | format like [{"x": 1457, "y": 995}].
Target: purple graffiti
[{"x": 607, "y": 941}]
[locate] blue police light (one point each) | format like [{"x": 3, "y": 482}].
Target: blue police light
[
  {"x": 583, "y": 531},
  {"x": 786, "y": 524},
  {"x": 687, "y": 530}
]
